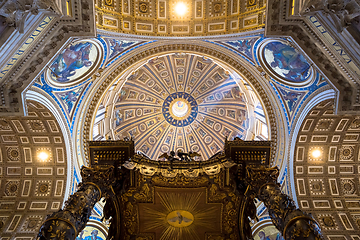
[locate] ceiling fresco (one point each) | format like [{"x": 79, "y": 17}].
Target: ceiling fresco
[
  {"x": 184, "y": 102},
  {"x": 159, "y": 18}
]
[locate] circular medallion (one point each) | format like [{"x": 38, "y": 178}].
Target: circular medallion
[
  {"x": 143, "y": 7},
  {"x": 165, "y": 148},
  {"x": 180, "y": 218},
  {"x": 180, "y": 109},
  {"x": 138, "y": 112},
  {"x": 195, "y": 148},
  {"x": 151, "y": 83},
  {"x": 164, "y": 73},
  {"x": 208, "y": 139},
  {"x": 75, "y": 63},
  {"x": 142, "y": 127},
  {"x": 43, "y": 188},
  {"x": 210, "y": 82},
  {"x": 152, "y": 140},
  {"x": 142, "y": 97},
  {"x": 196, "y": 73},
  {"x": 180, "y": 70},
  {"x": 218, "y": 96},
  {"x": 217, "y": 126},
  {"x": 13, "y": 188},
  {"x": 285, "y": 63}
]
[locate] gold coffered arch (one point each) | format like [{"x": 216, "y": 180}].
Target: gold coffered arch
[
  {"x": 159, "y": 18},
  {"x": 141, "y": 55}
]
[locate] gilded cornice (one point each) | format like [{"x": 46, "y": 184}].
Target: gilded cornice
[{"x": 223, "y": 37}]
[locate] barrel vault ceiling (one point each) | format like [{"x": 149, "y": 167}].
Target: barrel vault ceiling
[{"x": 158, "y": 18}]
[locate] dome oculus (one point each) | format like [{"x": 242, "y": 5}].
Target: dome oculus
[{"x": 180, "y": 109}]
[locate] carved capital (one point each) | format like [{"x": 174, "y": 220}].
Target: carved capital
[
  {"x": 261, "y": 176},
  {"x": 100, "y": 176}
]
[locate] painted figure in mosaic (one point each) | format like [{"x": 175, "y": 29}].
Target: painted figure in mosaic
[
  {"x": 244, "y": 46},
  {"x": 291, "y": 98},
  {"x": 93, "y": 236},
  {"x": 80, "y": 237},
  {"x": 279, "y": 237},
  {"x": 118, "y": 117},
  {"x": 286, "y": 61},
  {"x": 122, "y": 94},
  {"x": 263, "y": 236},
  {"x": 73, "y": 58},
  {"x": 70, "y": 98},
  {"x": 238, "y": 94},
  {"x": 117, "y": 46}
]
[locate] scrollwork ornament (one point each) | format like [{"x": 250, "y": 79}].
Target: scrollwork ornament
[{"x": 102, "y": 176}]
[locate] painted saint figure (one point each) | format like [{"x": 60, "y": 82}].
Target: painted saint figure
[
  {"x": 73, "y": 58},
  {"x": 286, "y": 61},
  {"x": 263, "y": 236},
  {"x": 94, "y": 236}
]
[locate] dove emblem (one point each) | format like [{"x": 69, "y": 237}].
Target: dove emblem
[{"x": 180, "y": 218}]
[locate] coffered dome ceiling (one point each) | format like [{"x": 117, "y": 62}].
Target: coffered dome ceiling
[
  {"x": 182, "y": 102},
  {"x": 160, "y": 18}
]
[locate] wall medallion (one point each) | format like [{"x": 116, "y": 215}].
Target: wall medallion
[
  {"x": 285, "y": 63},
  {"x": 74, "y": 63}
]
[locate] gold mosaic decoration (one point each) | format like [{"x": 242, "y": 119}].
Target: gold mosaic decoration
[{"x": 158, "y": 18}]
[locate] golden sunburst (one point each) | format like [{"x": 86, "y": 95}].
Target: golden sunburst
[{"x": 179, "y": 215}]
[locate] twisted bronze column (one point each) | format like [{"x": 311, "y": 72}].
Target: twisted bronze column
[
  {"x": 293, "y": 223},
  {"x": 68, "y": 222}
]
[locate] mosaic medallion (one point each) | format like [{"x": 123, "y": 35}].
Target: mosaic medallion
[
  {"x": 74, "y": 63},
  {"x": 180, "y": 109},
  {"x": 285, "y": 63}
]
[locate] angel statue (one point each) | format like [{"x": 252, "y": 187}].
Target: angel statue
[{"x": 169, "y": 158}]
